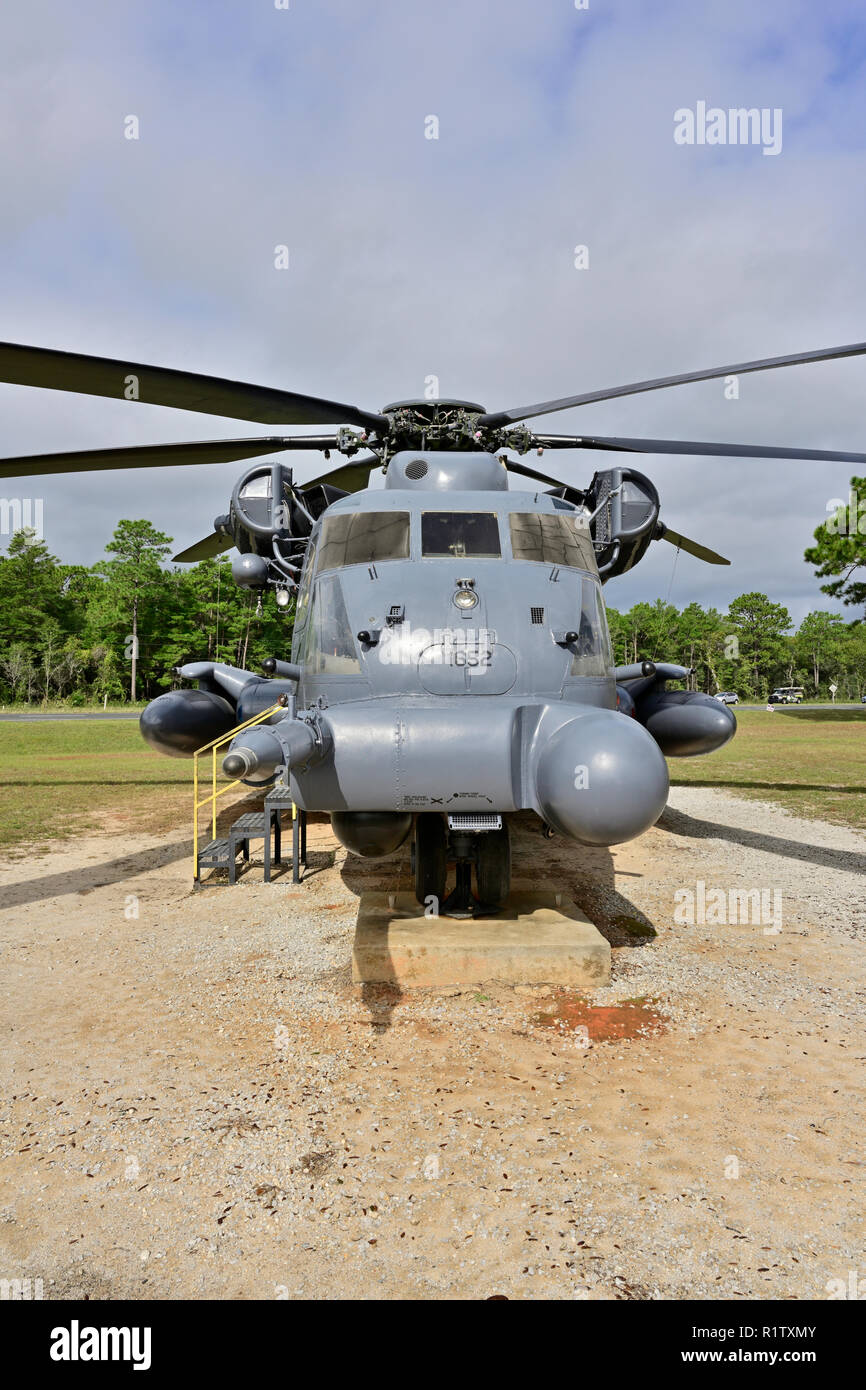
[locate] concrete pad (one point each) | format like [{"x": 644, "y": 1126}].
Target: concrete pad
[{"x": 539, "y": 938}]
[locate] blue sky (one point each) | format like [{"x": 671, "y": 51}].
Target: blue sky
[{"x": 453, "y": 257}]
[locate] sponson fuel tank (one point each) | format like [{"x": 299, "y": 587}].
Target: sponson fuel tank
[
  {"x": 181, "y": 721},
  {"x": 684, "y": 723},
  {"x": 600, "y": 778}
]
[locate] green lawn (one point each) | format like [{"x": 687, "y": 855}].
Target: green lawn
[
  {"x": 61, "y": 776},
  {"x": 67, "y": 775},
  {"x": 811, "y": 761}
]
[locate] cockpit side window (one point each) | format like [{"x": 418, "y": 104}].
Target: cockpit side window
[
  {"x": 460, "y": 534},
  {"x": 592, "y": 652},
  {"x": 328, "y": 644},
  {"x": 359, "y": 538},
  {"x": 552, "y": 539},
  {"x": 303, "y": 602}
]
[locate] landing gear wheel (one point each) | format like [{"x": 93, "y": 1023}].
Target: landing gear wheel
[
  {"x": 494, "y": 867},
  {"x": 431, "y": 863}
]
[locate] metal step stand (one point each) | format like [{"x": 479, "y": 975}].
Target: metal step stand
[
  {"x": 279, "y": 799},
  {"x": 215, "y": 855},
  {"x": 255, "y": 825},
  {"x": 252, "y": 825},
  {"x": 221, "y": 853}
]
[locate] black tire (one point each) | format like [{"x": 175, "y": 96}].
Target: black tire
[
  {"x": 431, "y": 858},
  {"x": 494, "y": 867}
]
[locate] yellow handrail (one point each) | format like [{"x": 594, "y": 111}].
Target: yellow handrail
[{"x": 212, "y": 798}]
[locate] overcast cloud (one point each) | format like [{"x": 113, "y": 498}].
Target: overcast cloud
[{"x": 455, "y": 257}]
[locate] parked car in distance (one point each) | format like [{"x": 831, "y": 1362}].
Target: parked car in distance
[
  {"x": 786, "y": 695},
  {"x": 728, "y": 697}
]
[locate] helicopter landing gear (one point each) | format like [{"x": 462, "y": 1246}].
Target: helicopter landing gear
[
  {"x": 487, "y": 850},
  {"x": 460, "y": 902},
  {"x": 493, "y": 868},
  {"x": 430, "y": 858}
]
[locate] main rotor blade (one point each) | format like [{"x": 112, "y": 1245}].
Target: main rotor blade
[
  {"x": 204, "y": 549},
  {"x": 690, "y": 446},
  {"x": 158, "y": 455},
  {"x": 351, "y": 477},
  {"x": 662, "y": 533},
  {"x": 497, "y": 418},
  {"x": 702, "y": 552},
  {"x": 210, "y": 395},
  {"x": 521, "y": 468}
]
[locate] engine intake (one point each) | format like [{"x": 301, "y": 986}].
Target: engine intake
[{"x": 625, "y": 507}]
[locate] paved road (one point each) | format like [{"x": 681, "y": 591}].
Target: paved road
[
  {"x": 805, "y": 705},
  {"x": 34, "y": 718}
]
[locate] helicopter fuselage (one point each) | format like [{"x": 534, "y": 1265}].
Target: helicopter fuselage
[
  {"x": 452, "y": 645},
  {"x": 451, "y": 656}
]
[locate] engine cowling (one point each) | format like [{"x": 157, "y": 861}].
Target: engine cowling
[{"x": 625, "y": 506}]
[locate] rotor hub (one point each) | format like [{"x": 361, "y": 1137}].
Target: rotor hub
[
  {"x": 430, "y": 409},
  {"x": 435, "y": 424}
]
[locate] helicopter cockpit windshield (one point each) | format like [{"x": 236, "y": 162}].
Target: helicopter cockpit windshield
[
  {"x": 460, "y": 534},
  {"x": 552, "y": 539},
  {"x": 360, "y": 538}
]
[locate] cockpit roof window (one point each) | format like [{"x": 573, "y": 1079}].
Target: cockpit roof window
[
  {"x": 460, "y": 535},
  {"x": 359, "y": 538},
  {"x": 552, "y": 539}
]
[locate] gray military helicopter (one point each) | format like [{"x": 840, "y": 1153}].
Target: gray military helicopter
[{"x": 450, "y": 660}]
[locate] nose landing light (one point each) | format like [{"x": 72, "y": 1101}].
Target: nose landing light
[{"x": 465, "y": 597}]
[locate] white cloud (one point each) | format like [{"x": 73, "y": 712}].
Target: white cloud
[{"x": 453, "y": 257}]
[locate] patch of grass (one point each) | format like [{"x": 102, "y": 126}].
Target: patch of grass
[
  {"x": 811, "y": 762},
  {"x": 65, "y": 776},
  {"x": 61, "y": 777}
]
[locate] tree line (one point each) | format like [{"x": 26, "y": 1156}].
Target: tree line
[
  {"x": 752, "y": 648},
  {"x": 116, "y": 630}
]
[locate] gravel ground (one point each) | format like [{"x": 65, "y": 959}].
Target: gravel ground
[{"x": 198, "y": 1102}]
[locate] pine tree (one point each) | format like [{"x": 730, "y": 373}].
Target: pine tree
[
  {"x": 760, "y": 626},
  {"x": 840, "y": 548},
  {"x": 133, "y": 583}
]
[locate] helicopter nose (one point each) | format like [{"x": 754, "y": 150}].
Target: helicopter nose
[{"x": 601, "y": 779}]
